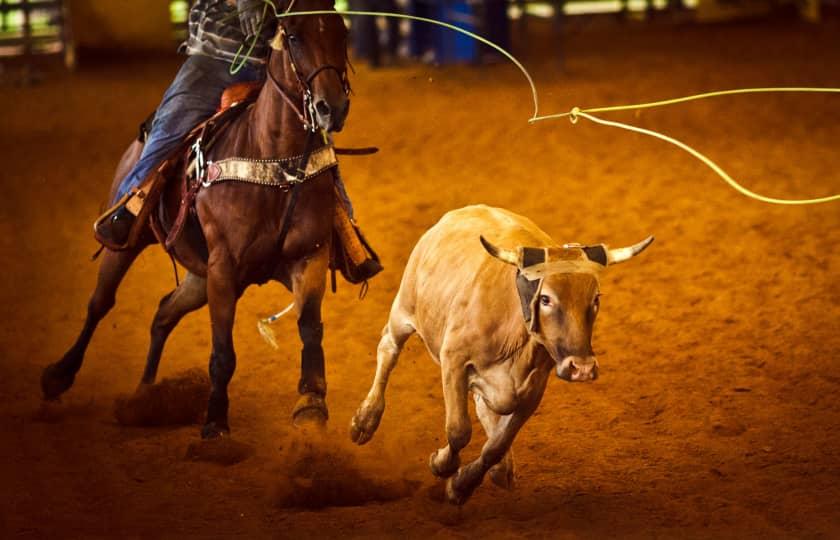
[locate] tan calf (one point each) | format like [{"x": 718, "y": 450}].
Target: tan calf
[{"x": 497, "y": 325}]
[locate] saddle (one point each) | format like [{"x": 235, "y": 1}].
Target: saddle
[{"x": 351, "y": 254}]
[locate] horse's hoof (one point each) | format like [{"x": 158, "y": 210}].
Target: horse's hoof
[
  {"x": 445, "y": 470},
  {"x": 364, "y": 424},
  {"x": 214, "y": 430},
  {"x": 310, "y": 409},
  {"x": 53, "y": 383}
]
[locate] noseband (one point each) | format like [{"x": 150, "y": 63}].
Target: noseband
[{"x": 306, "y": 112}]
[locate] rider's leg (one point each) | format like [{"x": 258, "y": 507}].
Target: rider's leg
[{"x": 191, "y": 98}]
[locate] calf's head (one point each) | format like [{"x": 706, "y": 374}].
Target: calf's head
[{"x": 560, "y": 297}]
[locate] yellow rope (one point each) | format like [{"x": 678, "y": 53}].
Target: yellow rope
[
  {"x": 575, "y": 113},
  {"x": 707, "y": 95},
  {"x": 472, "y": 35}
]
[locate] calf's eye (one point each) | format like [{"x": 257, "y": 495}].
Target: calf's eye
[{"x": 545, "y": 300}]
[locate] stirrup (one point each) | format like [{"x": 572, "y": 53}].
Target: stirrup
[{"x": 102, "y": 224}]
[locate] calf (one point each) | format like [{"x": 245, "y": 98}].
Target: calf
[{"x": 497, "y": 325}]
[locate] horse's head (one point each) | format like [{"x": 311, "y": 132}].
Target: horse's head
[{"x": 311, "y": 51}]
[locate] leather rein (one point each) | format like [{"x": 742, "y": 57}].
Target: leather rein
[{"x": 306, "y": 112}]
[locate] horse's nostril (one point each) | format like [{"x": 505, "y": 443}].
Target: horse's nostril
[{"x": 322, "y": 108}]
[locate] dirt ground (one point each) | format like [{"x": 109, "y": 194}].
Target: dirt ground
[{"x": 717, "y": 411}]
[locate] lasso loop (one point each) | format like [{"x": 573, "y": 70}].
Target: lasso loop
[{"x": 576, "y": 113}]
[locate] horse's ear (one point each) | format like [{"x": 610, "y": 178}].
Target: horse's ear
[{"x": 279, "y": 38}]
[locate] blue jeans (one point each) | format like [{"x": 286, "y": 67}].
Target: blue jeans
[{"x": 192, "y": 97}]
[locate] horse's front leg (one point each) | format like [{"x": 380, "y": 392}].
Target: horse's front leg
[
  {"x": 222, "y": 294},
  {"x": 308, "y": 285}
]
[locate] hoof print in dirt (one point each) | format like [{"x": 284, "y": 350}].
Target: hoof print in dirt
[
  {"x": 220, "y": 450},
  {"x": 725, "y": 425},
  {"x": 177, "y": 400}
]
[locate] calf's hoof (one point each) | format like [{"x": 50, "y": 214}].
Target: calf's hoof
[
  {"x": 453, "y": 494},
  {"x": 214, "y": 430},
  {"x": 310, "y": 409},
  {"x": 443, "y": 466},
  {"x": 503, "y": 475},
  {"x": 365, "y": 422},
  {"x": 54, "y": 383}
]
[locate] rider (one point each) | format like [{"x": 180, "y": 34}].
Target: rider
[{"x": 217, "y": 29}]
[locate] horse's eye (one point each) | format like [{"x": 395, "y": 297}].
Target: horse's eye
[
  {"x": 596, "y": 303},
  {"x": 545, "y": 300},
  {"x": 292, "y": 38}
]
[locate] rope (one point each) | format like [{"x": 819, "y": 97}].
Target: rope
[
  {"x": 711, "y": 164},
  {"x": 234, "y": 69},
  {"x": 695, "y": 97},
  {"x": 474, "y": 36},
  {"x": 576, "y": 112}
]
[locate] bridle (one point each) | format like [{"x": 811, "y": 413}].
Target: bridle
[{"x": 306, "y": 111}]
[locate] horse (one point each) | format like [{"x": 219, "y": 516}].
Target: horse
[{"x": 243, "y": 233}]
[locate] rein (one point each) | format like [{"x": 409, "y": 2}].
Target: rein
[
  {"x": 305, "y": 113},
  {"x": 287, "y": 219}
]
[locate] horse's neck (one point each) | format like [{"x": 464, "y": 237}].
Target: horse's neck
[{"x": 275, "y": 128}]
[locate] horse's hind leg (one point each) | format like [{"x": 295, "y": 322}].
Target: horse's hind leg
[
  {"x": 308, "y": 286},
  {"x": 57, "y": 378},
  {"x": 189, "y": 296}
]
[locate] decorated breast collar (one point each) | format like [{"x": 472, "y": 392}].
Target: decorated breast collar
[{"x": 280, "y": 173}]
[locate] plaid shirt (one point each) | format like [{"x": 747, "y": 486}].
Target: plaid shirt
[{"x": 214, "y": 31}]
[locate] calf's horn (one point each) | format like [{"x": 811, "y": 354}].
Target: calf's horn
[
  {"x": 618, "y": 255},
  {"x": 507, "y": 255}
]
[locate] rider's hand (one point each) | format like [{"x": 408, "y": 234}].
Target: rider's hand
[{"x": 250, "y": 16}]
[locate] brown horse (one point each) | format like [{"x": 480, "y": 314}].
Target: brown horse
[{"x": 245, "y": 233}]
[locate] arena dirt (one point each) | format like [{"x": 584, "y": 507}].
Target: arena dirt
[{"x": 716, "y": 414}]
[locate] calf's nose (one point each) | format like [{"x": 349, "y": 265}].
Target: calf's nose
[{"x": 577, "y": 369}]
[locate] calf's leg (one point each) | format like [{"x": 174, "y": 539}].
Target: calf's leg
[
  {"x": 445, "y": 461},
  {"x": 369, "y": 413},
  {"x": 189, "y": 296},
  {"x": 57, "y": 378},
  {"x": 502, "y": 474},
  {"x": 460, "y": 487}
]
